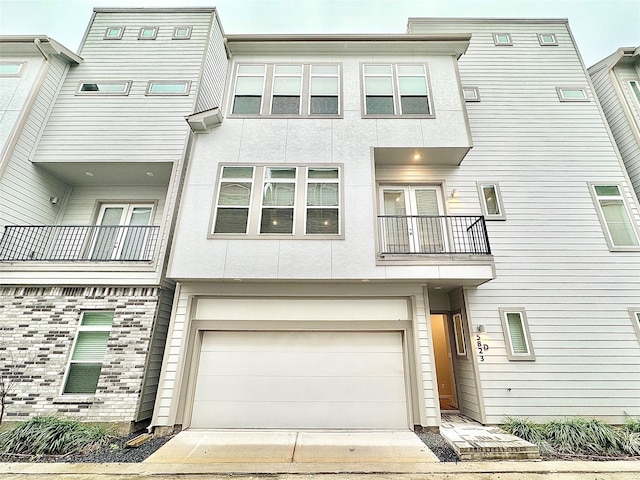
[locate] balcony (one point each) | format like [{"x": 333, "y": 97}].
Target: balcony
[
  {"x": 77, "y": 243},
  {"x": 432, "y": 235}
]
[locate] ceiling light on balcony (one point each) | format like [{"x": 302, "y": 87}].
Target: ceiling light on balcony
[
  {"x": 325, "y": 223},
  {"x": 88, "y": 174},
  {"x": 149, "y": 174},
  {"x": 275, "y": 222},
  {"x": 417, "y": 156}
]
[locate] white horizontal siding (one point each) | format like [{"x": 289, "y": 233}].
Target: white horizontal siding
[{"x": 214, "y": 71}]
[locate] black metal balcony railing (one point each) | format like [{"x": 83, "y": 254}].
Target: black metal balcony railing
[
  {"x": 94, "y": 243},
  {"x": 430, "y": 234}
]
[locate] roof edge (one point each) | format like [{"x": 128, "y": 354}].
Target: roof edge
[
  {"x": 398, "y": 37},
  {"x": 454, "y": 20},
  {"x": 154, "y": 10},
  {"x": 57, "y": 47}
]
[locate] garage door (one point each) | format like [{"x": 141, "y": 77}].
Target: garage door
[{"x": 300, "y": 380}]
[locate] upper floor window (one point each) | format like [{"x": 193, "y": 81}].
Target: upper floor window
[
  {"x": 635, "y": 88},
  {"x": 113, "y": 33},
  {"x": 502, "y": 39},
  {"x": 287, "y": 90},
  {"x": 491, "y": 201},
  {"x": 614, "y": 217},
  {"x": 278, "y": 200},
  {"x": 104, "y": 88},
  {"x": 635, "y": 320},
  {"x": 181, "y": 33},
  {"x": 156, "y": 87},
  {"x": 572, "y": 94},
  {"x": 547, "y": 39},
  {"x": 471, "y": 94},
  {"x": 396, "y": 90},
  {"x": 148, "y": 33},
  {"x": 10, "y": 69}
]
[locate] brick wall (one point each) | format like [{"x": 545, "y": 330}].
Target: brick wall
[{"x": 37, "y": 330}]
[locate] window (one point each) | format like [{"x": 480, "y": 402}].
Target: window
[
  {"x": 263, "y": 201},
  {"x": 88, "y": 353},
  {"x": 113, "y": 33},
  {"x": 572, "y": 94},
  {"x": 396, "y": 90},
  {"x": 516, "y": 334},
  {"x": 287, "y": 90},
  {"x": 458, "y": 330},
  {"x": 491, "y": 200},
  {"x": 104, "y": 88},
  {"x": 181, "y": 33},
  {"x": 547, "y": 39},
  {"x": 155, "y": 87},
  {"x": 471, "y": 94},
  {"x": 635, "y": 88},
  {"x": 148, "y": 33},
  {"x": 635, "y": 320},
  {"x": 614, "y": 217},
  {"x": 10, "y": 69},
  {"x": 502, "y": 39}
]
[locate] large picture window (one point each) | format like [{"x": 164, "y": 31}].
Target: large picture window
[
  {"x": 88, "y": 353},
  {"x": 287, "y": 90},
  {"x": 266, "y": 201},
  {"x": 396, "y": 90},
  {"x": 615, "y": 218}
]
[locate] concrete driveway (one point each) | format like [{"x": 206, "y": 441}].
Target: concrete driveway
[{"x": 286, "y": 448}]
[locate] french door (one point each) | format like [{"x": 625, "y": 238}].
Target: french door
[
  {"x": 412, "y": 219},
  {"x": 122, "y": 236}
]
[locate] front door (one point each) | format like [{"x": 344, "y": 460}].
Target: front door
[
  {"x": 123, "y": 235},
  {"x": 412, "y": 219},
  {"x": 444, "y": 362}
]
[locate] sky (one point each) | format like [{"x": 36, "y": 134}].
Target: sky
[{"x": 599, "y": 27}]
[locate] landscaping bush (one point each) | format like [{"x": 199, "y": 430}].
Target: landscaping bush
[
  {"x": 578, "y": 436},
  {"x": 53, "y": 436}
]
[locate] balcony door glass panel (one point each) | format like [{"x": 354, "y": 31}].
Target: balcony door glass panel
[
  {"x": 121, "y": 236},
  {"x": 412, "y": 220}
]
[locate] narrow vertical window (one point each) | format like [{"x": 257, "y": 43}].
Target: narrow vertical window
[
  {"x": 234, "y": 199},
  {"x": 287, "y": 90},
  {"x": 491, "y": 201},
  {"x": 635, "y": 320},
  {"x": 88, "y": 353},
  {"x": 516, "y": 333},
  {"x": 249, "y": 89},
  {"x": 635, "y": 88},
  {"x": 278, "y": 200},
  {"x": 378, "y": 90},
  {"x": 615, "y": 217},
  {"x": 412, "y": 86},
  {"x": 458, "y": 330},
  {"x": 324, "y": 90},
  {"x": 323, "y": 201}
]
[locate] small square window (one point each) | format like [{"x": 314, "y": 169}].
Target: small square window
[
  {"x": 502, "y": 39},
  {"x": 10, "y": 69},
  {"x": 471, "y": 94},
  {"x": 182, "y": 33},
  {"x": 155, "y": 87},
  {"x": 547, "y": 39},
  {"x": 516, "y": 334},
  {"x": 572, "y": 94},
  {"x": 113, "y": 33},
  {"x": 148, "y": 33}
]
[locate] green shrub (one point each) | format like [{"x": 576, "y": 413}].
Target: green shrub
[
  {"x": 632, "y": 425},
  {"x": 52, "y": 436},
  {"x": 524, "y": 428}
]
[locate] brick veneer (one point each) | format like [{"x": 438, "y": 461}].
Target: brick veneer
[{"x": 37, "y": 329}]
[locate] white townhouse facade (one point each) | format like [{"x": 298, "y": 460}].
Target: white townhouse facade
[
  {"x": 377, "y": 228},
  {"x": 616, "y": 80},
  {"x": 90, "y": 185}
]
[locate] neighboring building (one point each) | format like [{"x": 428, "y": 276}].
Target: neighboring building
[
  {"x": 387, "y": 226},
  {"x": 616, "y": 80},
  {"x": 89, "y": 198}
]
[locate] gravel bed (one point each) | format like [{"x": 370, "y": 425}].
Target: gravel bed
[{"x": 439, "y": 446}]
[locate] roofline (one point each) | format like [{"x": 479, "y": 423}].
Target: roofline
[
  {"x": 349, "y": 37},
  {"x": 458, "y": 20},
  {"x": 57, "y": 47},
  {"x": 155, "y": 10},
  {"x": 610, "y": 61}
]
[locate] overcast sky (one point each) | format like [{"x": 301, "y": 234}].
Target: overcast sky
[{"x": 599, "y": 26}]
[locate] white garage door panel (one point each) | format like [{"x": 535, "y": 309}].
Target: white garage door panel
[{"x": 300, "y": 380}]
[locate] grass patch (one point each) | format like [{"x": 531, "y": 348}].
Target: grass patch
[
  {"x": 578, "y": 437},
  {"x": 53, "y": 436}
]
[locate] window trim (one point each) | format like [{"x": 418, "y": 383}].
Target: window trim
[
  {"x": 483, "y": 202},
  {"x": 181, "y": 37},
  {"x": 634, "y": 313},
  {"x": 603, "y": 223},
  {"x": 153, "y": 37},
  {"x": 460, "y": 352},
  {"x": 88, "y": 328},
  {"x": 124, "y": 93},
  {"x": 20, "y": 66},
  {"x": 552, "y": 43},
  {"x": 300, "y": 207},
  {"x": 476, "y": 93},
  {"x": 119, "y": 37},
  {"x": 562, "y": 98},
  {"x": 266, "y": 99},
  {"x": 511, "y": 355},
  {"x": 184, "y": 93},
  {"x": 397, "y": 98},
  {"x": 498, "y": 43}
]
